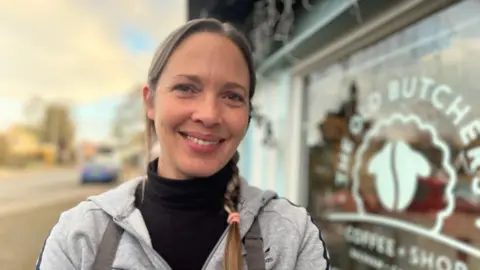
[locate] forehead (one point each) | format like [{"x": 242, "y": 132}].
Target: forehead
[{"x": 208, "y": 55}]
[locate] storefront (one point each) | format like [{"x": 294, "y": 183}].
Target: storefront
[
  {"x": 392, "y": 142},
  {"x": 262, "y": 151}
]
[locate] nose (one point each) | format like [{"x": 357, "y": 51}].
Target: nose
[{"x": 208, "y": 111}]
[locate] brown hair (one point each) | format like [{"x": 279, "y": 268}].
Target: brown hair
[{"x": 233, "y": 256}]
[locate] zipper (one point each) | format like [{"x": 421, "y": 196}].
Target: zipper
[
  {"x": 144, "y": 245},
  {"x": 214, "y": 250}
]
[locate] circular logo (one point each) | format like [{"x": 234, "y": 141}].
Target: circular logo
[{"x": 396, "y": 167}]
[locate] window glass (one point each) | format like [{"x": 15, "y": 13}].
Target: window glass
[{"x": 394, "y": 148}]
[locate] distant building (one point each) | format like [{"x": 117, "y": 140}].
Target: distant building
[
  {"x": 22, "y": 141},
  {"x": 21, "y": 145}
]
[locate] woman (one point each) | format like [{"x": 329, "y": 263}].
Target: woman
[{"x": 186, "y": 213}]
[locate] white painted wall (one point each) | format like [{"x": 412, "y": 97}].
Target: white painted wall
[{"x": 264, "y": 166}]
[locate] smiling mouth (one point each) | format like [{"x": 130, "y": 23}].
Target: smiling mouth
[{"x": 200, "y": 141}]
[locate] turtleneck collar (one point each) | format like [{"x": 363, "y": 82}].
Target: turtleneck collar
[{"x": 192, "y": 194}]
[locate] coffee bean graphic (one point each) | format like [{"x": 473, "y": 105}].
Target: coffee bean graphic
[{"x": 396, "y": 168}]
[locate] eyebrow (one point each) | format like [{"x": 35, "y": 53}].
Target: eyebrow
[{"x": 197, "y": 79}]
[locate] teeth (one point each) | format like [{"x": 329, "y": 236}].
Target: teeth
[{"x": 201, "y": 142}]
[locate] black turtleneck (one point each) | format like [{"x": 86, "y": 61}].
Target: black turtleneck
[{"x": 185, "y": 218}]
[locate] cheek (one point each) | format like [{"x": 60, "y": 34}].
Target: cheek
[
  {"x": 238, "y": 126},
  {"x": 164, "y": 120},
  {"x": 169, "y": 118},
  {"x": 162, "y": 112}
]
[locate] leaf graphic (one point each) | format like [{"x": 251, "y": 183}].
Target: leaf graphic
[{"x": 396, "y": 168}]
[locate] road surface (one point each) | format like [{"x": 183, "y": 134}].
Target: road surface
[{"x": 29, "y": 206}]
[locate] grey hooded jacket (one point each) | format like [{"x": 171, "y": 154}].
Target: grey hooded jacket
[{"x": 290, "y": 238}]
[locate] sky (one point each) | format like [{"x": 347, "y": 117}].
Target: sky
[{"x": 86, "y": 52}]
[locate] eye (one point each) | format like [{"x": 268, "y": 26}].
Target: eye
[
  {"x": 184, "y": 88},
  {"x": 235, "y": 97}
]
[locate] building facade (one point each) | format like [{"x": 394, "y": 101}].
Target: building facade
[{"x": 366, "y": 116}]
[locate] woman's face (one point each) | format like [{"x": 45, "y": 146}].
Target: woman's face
[{"x": 200, "y": 107}]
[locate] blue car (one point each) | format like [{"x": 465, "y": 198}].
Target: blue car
[
  {"x": 99, "y": 173},
  {"x": 103, "y": 168}
]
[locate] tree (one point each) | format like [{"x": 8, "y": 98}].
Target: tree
[
  {"x": 4, "y": 149},
  {"x": 128, "y": 117},
  {"x": 33, "y": 113},
  {"x": 58, "y": 129}
]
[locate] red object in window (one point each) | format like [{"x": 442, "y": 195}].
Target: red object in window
[{"x": 430, "y": 197}]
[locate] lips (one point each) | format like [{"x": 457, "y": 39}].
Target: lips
[
  {"x": 202, "y": 142},
  {"x": 202, "y": 139}
]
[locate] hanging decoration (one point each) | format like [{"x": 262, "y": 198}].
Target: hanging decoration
[{"x": 266, "y": 125}]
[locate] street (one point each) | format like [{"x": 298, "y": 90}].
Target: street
[{"x": 30, "y": 205}]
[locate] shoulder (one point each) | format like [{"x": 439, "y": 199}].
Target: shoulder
[
  {"x": 89, "y": 218},
  {"x": 297, "y": 239},
  {"x": 92, "y": 215},
  {"x": 73, "y": 238},
  {"x": 84, "y": 210},
  {"x": 281, "y": 210},
  {"x": 84, "y": 221},
  {"x": 272, "y": 209}
]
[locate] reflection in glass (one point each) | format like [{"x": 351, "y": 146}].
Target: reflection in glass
[{"x": 392, "y": 140}]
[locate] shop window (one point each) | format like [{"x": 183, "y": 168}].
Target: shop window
[{"x": 394, "y": 148}]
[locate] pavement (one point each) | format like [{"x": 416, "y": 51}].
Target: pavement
[
  {"x": 30, "y": 204},
  {"x": 36, "y": 187},
  {"x": 23, "y": 234},
  {"x": 9, "y": 173}
]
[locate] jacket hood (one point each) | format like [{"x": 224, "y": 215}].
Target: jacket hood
[
  {"x": 252, "y": 201},
  {"x": 119, "y": 203}
]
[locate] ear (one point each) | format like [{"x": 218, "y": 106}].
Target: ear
[{"x": 147, "y": 95}]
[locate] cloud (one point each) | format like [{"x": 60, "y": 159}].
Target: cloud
[{"x": 80, "y": 50}]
